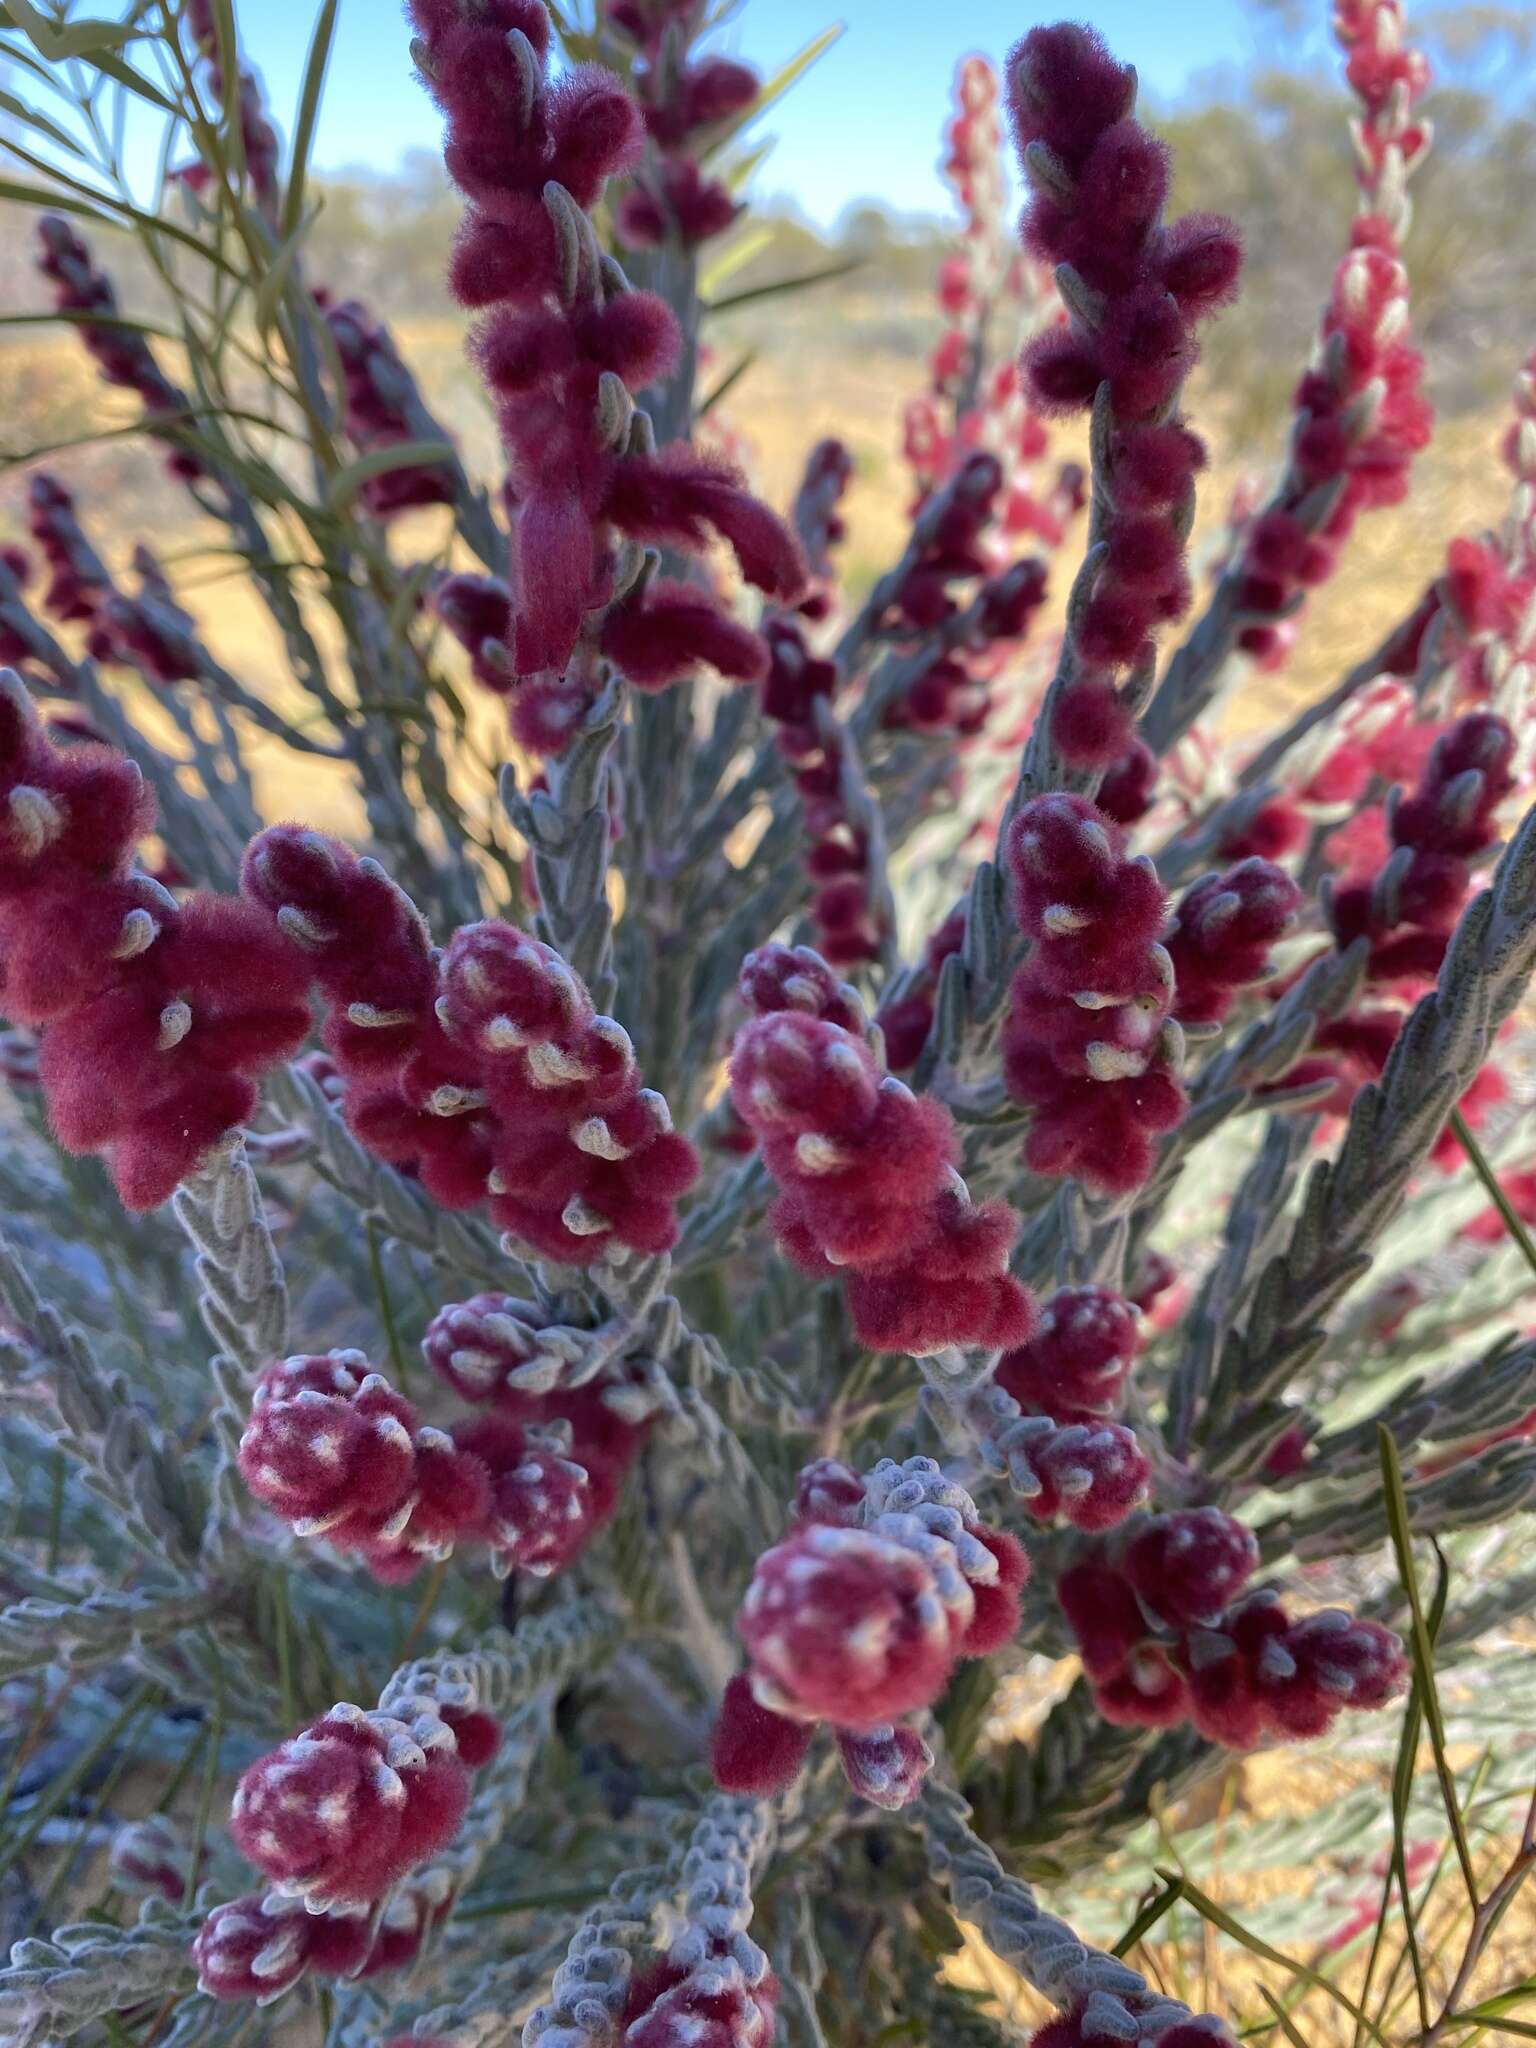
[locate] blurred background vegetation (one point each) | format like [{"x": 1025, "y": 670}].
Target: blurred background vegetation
[{"x": 1266, "y": 142}]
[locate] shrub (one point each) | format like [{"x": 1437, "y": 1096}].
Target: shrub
[{"x": 907, "y": 1161}]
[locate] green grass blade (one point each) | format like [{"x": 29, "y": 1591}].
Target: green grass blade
[
  {"x": 1149, "y": 1916},
  {"x": 1255, "y": 1944},
  {"x": 309, "y": 112}
]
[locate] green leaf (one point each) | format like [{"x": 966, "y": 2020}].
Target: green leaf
[
  {"x": 754, "y": 238},
  {"x": 774, "y": 88},
  {"x": 784, "y": 284},
  {"x": 309, "y": 110},
  {"x": 59, "y": 40},
  {"x": 31, "y": 118},
  {"x": 70, "y": 318},
  {"x": 118, "y": 68},
  {"x": 347, "y": 482},
  {"x": 1421, "y": 1644},
  {"x": 1490, "y": 1180},
  {"x": 1501, "y": 2003}
]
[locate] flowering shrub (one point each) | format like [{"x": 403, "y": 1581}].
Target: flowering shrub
[{"x": 696, "y": 1221}]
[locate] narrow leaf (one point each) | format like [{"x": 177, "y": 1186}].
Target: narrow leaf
[
  {"x": 309, "y": 110},
  {"x": 784, "y": 284},
  {"x": 347, "y": 482},
  {"x": 1218, "y": 1917}
]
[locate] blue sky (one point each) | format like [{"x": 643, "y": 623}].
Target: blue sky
[{"x": 865, "y": 122}]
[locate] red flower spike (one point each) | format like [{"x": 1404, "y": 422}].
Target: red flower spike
[
  {"x": 541, "y": 1511},
  {"x": 886, "y": 1766},
  {"x": 754, "y": 1751},
  {"x": 996, "y": 1619},
  {"x": 1104, "y": 1615},
  {"x": 796, "y": 978},
  {"x": 348, "y": 1806},
  {"x": 1088, "y": 1041},
  {"x": 1189, "y": 1566},
  {"x": 583, "y": 1155},
  {"x": 1093, "y": 1476},
  {"x": 867, "y": 1182},
  {"x": 1146, "y": 1692},
  {"x": 1227, "y": 925},
  {"x": 334, "y": 1450},
  {"x": 708, "y": 2008},
  {"x": 256, "y": 1947},
  {"x": 1076, "y": 1365}
]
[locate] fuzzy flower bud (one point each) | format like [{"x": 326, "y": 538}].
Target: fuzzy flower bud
[
  {"x": 1075, "y": 1367},
  {"x": 345, "y": 1808}
]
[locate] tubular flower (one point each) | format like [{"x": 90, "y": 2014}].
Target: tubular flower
[
  {"x": 797, "y": 692},
  {"x": 868, "y": 1187},
  {"x": 858, "y": 1616},
  {"x": 157, "y": 1016},
  {"x": 411, "y": 1096},
  {"x": 343, "y": 1810},
  {"x": 907, "y": 1016},
  {"x": 1090, "y": 1042},
  {"x": 685, "y": 100},
  {"x": 1406, "y": 896}
]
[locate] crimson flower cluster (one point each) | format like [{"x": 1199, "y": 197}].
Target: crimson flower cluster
[
  {"x": 543, "y": 711},
  {"x": 259, "y": 1946},
  {"x": 705, "y": 2004},
  {"x": 859, "y": 1616},
  {"x": 381, "y": 409},
  {"x": 952, "y": 696},
  {"x": 1168, "y": 1633},
  {"x": 78, "y": 583},
  {"x": 484, "y": 1069},
  {"x": 1226, "y": 927},
  {"x": 1069, "y": 1380},
  {"x": 258, "y": 136},
  {"x": 1361, "y": 417},
  {"x": 157, "y": 1017},
  {"x": 343, "y": 1810},
  {"x": 686, "y": 102},
  {"x": 565, "y": 344},
  {"x": 869, "y": 1189},
  {"x": 1138, "y": 291},
  {"x": 818, "y": 523},
  {"x": 1407, "y": 908},
  {"x": 1089, "y": 1042},
  {"x": 1082, "y": 2027},
  {"x": 797, "y": 695},
  {"x": 336, "y": 1451},
  {"x": 121, "y": 353}
]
